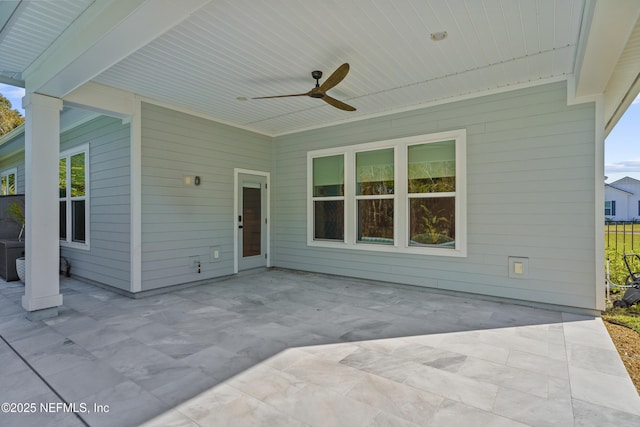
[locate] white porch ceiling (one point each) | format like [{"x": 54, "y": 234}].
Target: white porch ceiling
[
  {"x": 246, "y": 48},
  {"x": 28, "y": 28}
]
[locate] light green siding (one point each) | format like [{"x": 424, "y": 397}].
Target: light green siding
[
  {"x": 15, "y": 160},
  {"x": 530, "y": 175},
  {"x": 530, "y": 193},
  {"x": 108, "y": 260},
  {"x": 180, "y": 221}
]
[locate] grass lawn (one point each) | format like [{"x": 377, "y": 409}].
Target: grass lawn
[
  {"x": 619, "y": 228},
  {"x": 623, "y": 243},
  {"x": 623, "y": 324},
  {"x": 629, "y": 317}
]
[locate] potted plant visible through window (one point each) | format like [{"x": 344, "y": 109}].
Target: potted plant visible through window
[{"x": 16, "y": 212}]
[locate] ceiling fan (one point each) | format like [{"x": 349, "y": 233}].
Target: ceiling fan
[{"x": 320, "y": 91}]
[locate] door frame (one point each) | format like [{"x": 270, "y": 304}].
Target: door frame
[{"x": 236, "y": 174}]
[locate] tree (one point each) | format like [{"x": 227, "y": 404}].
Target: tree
[{"x": 9, "y": 118}]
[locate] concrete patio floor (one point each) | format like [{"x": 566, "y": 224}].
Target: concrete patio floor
[{"x": 282, "y": 348}]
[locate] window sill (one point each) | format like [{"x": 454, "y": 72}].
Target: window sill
[
  {"x": 374, "y": 247},
  {"x": 80, "y": 246}
]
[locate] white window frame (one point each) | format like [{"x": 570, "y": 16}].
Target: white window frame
[
  {"x": 5, "y": 174},
  {"x": 312, "y": 198},
  {"x": 401, "y": 196},
  {"x": 356, "y": 197},
  {"x": 67, "y": 154}
]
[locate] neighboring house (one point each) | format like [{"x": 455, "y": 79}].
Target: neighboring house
[
  {"x": 622, "y": 200},
  {"x": 142, "y": 163}
]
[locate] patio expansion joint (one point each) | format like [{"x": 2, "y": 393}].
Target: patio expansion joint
[{"x": 32, "y": 369}]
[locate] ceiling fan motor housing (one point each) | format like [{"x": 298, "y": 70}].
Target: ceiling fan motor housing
[{"x": 317, "y": 74}]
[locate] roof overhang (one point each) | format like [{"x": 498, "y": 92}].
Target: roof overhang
[
  {"x": 608, "y": 60},
  {"x": 628, "y": 193},
  {"x": 101, "y": 37},
  {"x": 139, "y": 46}
]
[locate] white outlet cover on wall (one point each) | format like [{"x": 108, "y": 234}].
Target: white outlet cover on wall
[{"x": 518, "y": 267}]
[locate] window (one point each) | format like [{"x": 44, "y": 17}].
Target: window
[
  {"x": 610, "y": 208},
  {"x": 404, "y": 195},
  {"x": 328, "y": 198},
  {"x": 9, "y": 182},
  {"x": 375, "y": 196},
  {"x": 74, "y": 212},
  {"x": 432, "y": 193}
]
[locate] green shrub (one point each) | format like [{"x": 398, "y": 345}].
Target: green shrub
[
  {"x": 431, "y": 239},
  {"x": 617, "y": 270}
]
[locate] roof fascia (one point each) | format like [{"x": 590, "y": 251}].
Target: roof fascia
[
  {"x": 618, "y": 189},
  {"x": 624, "y": 85},
  {"x": 11, "y": 82},
  {"x": 7, "y": 137},
  {"x": 606, "y": 27}
]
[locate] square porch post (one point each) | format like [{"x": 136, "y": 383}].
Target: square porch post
[{"x": 42, "y": 244}]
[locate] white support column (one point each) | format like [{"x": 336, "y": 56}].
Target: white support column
[
  {"x": 42, "y": 243},
  {"x": 600, "y": 303}
]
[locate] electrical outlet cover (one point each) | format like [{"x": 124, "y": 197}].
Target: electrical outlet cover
[{"x": 518, "y": 267}]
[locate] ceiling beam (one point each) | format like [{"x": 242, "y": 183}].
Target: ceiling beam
[
  {"x": 103, "y": 99},
  {"x": 106, "y": 33}
]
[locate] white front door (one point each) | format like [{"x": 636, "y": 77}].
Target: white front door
[{"x": 252, "y": 221}]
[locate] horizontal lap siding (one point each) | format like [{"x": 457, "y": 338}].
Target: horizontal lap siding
[
  {"x": 530, "y": 180},
  {"x": 16, "y": 160},
  {"x": 180, "y": 221},
  {"x": 108, "y": 260}
]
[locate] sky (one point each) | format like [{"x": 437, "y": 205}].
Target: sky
[
  {"x": 13, "y": 94},
  {"x": 622, "y": 146}
]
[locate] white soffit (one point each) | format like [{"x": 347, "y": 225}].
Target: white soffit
[
  {"x": 609, "y": 30},
  {"x": 30, "y": 28},
  {"x": 243, "y": 48},
  {"x": 105, "y": 33},
  {"x": 624, "y": 84}
]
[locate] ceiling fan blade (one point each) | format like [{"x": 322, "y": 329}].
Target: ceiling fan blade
[
  {"x": 338, "y": 104},
  {"x": 335, "y": 78},
  {"x": 282, "y": 96}
]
